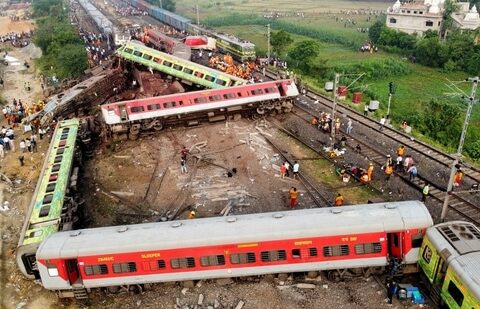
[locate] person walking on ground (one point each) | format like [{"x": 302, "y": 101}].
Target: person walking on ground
[
  {"x": 22, "y": 146},
  {"x": 412, "y": 172},
  {"x": 399, "y": 164},
  {"x": 287, "y": 167},
  {"x": 391, "y": 290},
  {"x": 365, "y": 110},
  {"x": 425, "y": 191},
  {"x": 184, "y": 152},
  {"x": 283, "y": 171},
  {"x": 296, "y": 169},
  {"x": 183, "y": 165},
  {"x": 382, "y": 122},
  {"x": 21, "y": 159},
  {"x": 349, "y": 126},
  {"x": 339, "y": 200},
  {"x": 293, "y": 197}
]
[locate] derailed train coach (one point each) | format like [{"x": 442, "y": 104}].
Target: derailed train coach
[{"x": 350, "y": 239}]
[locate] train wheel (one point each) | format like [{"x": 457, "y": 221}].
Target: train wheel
[
  {"x": 278, "y": 107},
  {"x": 158, "y": 126},
  {"x": 333, "y": 275},
  {"x": 260, "y": 110},
  {"x": 287, "y": 107},
  {"x": 270, "y": 105},
  {"x": 113, "y": 289},
  {"x": 132, "y": 136}
]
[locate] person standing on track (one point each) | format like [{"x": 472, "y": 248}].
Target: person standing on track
[
  {"x": 370, "y": 171},
  {"x": 283, "y": 171},
  {"x": 389, "y": 171},
  {"x": 382, "y": 122},
  {"x": 401, "y": 150},
  {"x": 293, "y": 197},
  {"x": 425, "y": 191},
  {"x": 287, "y": 167},
  {"x": 412, "y": 172},
  {"x": 349, "y": 126},
  {"x": 296, "y": 169},
  {"x": 365, "y": 110}
]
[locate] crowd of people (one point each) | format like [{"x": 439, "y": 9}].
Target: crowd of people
[
  {"x": 18, "y": 39},
  {"x": 97, "y": 47},
  {"x": 127, "y": 10}
]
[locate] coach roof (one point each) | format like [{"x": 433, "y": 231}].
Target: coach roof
[{"x": 382, "y": 217}]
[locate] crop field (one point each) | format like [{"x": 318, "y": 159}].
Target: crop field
[{"x": 336, "y": 26}]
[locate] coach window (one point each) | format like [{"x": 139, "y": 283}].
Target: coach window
[
  {"x": 47, "y": 199},
  {"x": 128, "y": 50},
  {"x": 56, "y": 167},
  {"x": 417, "y": 240},
  {"x": 296, "y": 254},
  {"x": 395, "y": 240},
  {"x": 313, "y": 251},
  {"x": 335, "y": 250},
  {"x": 242, "y": 258},
  {"x": 209, "y": 78},
  {"x": 44, "y": 210},
  {"x": 229, "y": 96},
  {"x": 129, "y": 267},
  {"x": 167, "y": 64},
  {"x": 60, "y": 151},
  {"x": 188, "y": 262},
  {"x": 137, "y": 109},
  {"x": 159, "y": 61},
  {"x": 147, "y": 57},
  {"x": 200, "y": 100},
  {"x": 169, "y": 104},
  {"x": 456, "y": 294},
  {"x": 212, "y": 260},
  {"x": 199, "y": 74},
  {"x": 177, "y": 67},
  {"x": 153, "y": 107},
  {"x": 187, "y": 70},
  {"x": 50, "y": 187},
  {"x": 215, "y": 98},
  {"x": 368, "y": 248},
  {"x": 58, "y": 159},
  {"x": 257, "y": 91},
  {"x": 100, "y": 269},
  {"x": 239, "y": 94},
  {"x": 270, "y": 90},
  {"x": 427, "y": 254},
  {"x": 220, "y": 82},
  {"x": 273, "y": 255},
  {"x": 137, "y": 53}
]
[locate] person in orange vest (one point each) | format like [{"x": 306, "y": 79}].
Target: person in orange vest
[
  {"x": 458, "y": 178},
  {"x": 370, "y": 171},
  {"x": 389, "y": 171},
  {"x": 339, "y": 200},
  {"x": 293, "y": 197},
  {"x": 192, "y": 214},
  {"x": 401, "y": 151},
  {"x": 364, "y": 179}
]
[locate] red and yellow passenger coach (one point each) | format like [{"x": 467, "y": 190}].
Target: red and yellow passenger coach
[{"x": 349, "y": 237}]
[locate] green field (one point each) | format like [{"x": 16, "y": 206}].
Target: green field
[{"x": 413, "y": 89}]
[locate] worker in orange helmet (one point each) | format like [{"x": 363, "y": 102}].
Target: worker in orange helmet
[
  {"x": 192, "y": 214},
  {"x": 364, "y": 179}
]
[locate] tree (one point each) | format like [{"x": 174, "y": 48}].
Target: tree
[
  {"x": 441, "y": 122},
  {"x": 304, "y": 52},
  {"x": 375, "y": 30},
  {"x": 431, "y": 52},
  {"x": 168, "y": 5},
  {"x": 44, "y": 7},
  {"x": 449, "y": 7},
  {"x": 280, "y": 40}
]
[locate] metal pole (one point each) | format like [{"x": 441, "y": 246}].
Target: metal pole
[
  {"x": 334, "y": 108},
  {"x": 198, "y": 15},
  {"x": 458, "y": 155},
  {"x": 268, "y": 42},
  {"x": 389, "y": 101}
]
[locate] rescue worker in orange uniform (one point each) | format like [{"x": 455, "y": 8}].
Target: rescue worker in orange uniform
[
  {"x": 458, "y": 178},
  {"x": 370, "y": 171},
  {"x": 401, "y": 151},
  {"x": 339, "y": 200},
  {"x": 192, "y": 214},
  {"x": 389, "y": 171},
  {"x": 293, "y": 197},
  {"x": 364, "y": 179}
]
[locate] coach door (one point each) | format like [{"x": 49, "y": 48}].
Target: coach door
[
  {"x": 395, "y": 245},
  {"x": 73, "y": 272}
]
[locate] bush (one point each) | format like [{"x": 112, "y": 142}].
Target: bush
[{"x": 376, "y": 69}]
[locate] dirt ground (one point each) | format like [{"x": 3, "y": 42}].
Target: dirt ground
[{"x": 7, "y": 26}]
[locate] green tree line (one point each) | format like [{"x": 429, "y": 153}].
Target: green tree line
[{"x": 63, "y": 51}]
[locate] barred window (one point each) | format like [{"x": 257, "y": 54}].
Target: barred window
[
  {"x": 220, "y": 82},
  {"x": 128, "y": 50},
  {"x": 153, "y": 107},
  {"x": 177, "y": 67},
  {"x": 167, "y": 63},
  {"x": 137, "y": 109},
  {"x": 129, "y": 267},
  {"x": 313, "y": 251},
  {"x": 169, "y": 104},
  {"x": 257, "y": 91},
  {"x": 215, "y": 97},
  {"x": 148, "y": 57},
  {"x": 212, "y": 260},
  {"x": 188, "y": 262},
  {"x": 368, "y": 248},
  {"x": 209, "y": 78},
  {"x": 242, "y": 258},
  {"x": 335, "y": 250},
  {"x": 200, "y": 100},
  {"x": 99, "y": 269},
  {"x": 230, "y": 96},
  {"x": 188, "y": 71},
  {"x": 273, "y": 255},
  {"x": 271, "y": 90},
  {"x": 137, "y": 53}
]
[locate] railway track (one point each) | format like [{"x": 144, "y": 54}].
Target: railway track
[{"x": 463, "y": 207}]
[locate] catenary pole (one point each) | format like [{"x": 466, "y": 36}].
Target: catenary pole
[
  {"x": 334, "y": 109},
  {"x": 268, "y": 42},
  {"x": 458, "y": 155}
]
